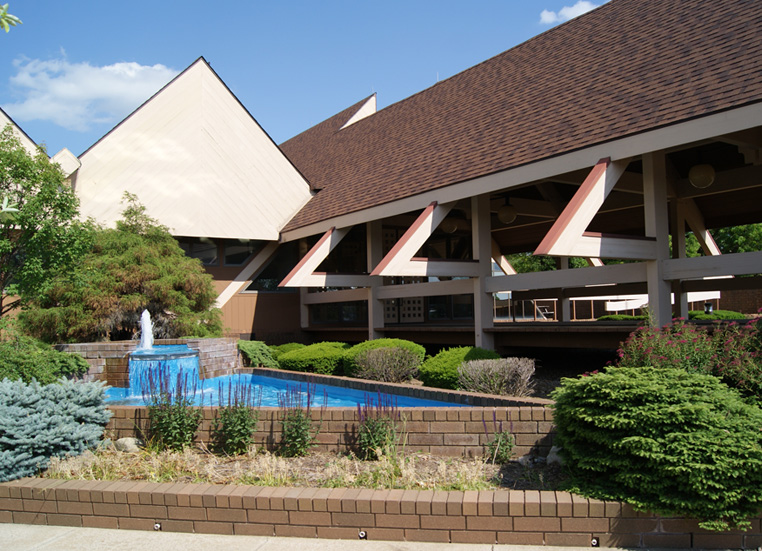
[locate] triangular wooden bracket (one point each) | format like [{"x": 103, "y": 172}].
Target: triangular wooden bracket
[
  {"x": 568, "y": 237},
  {"x": 401, "y": 262},
  {"x": 304, "y": 274}
]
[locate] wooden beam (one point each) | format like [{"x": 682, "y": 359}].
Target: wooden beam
[
  {"x": 247, "y": 273},
  {"x": 301, "y": 275},
  {"x": 578, "y": 277},
  {"x": 342, "y": 295},
  {"x": 430, "y": 289},
  {"x": 711, "y": 266},
  {"x": 400, "y": 260},
  {"x": 567, "y": 235}
]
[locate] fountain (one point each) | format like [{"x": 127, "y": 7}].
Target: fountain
[{"x": 172, "y": 363}]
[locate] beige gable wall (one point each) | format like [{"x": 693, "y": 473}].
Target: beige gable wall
[
  {"x": 198, "y": 162},
  {"x": 28, "y": 144}
]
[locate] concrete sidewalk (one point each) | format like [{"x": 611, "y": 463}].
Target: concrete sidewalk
[{"x": 25, "y": 537}]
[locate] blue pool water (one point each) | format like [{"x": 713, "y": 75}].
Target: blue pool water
[{"x": 271, "y": 388}]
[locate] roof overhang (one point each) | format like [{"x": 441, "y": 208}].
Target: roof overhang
[{"x": 665, "y": 138}]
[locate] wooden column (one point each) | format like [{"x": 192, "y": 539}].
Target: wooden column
[
  {"x": 482, "y": 246},
  {"x": 375, "y": 253},
  {"x": 677, "y": 229},
  {"x": 655, "y": 203},
  {"x": 564, "y": 304}
]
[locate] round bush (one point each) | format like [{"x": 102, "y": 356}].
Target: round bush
[
  {"x": 663, "y": 439},
  {"x": 350, "y": 359},
  {"x": 441, "y": 371},
  {"x": 280, "y": 349},
  {"x": 323, "y": 357}
]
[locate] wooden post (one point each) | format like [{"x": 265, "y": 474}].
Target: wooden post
[
  {"x": 655, "y": 203},
  {"x": 375, "y": 253},
  {"x": 563, "y": 312},
  {"x": 482, "y": 246}
]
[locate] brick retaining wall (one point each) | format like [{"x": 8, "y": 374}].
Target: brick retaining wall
[
  {"x": 450, "y": 432},
  {"x": 499, "y": 516}
]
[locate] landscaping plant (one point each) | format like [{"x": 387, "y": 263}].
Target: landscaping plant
[
  {"x": 441, "y": 371},
  {"x": 236, "y": 418},
  {"x": 277, "y": 350},
  {"x": 664, "y": 439},
  {"x": 257, "y": 354},
  {"x": 172, "y": 417},
  {"x": 508, "y": 376},
  {"x": 135, "y": 266},
  {"x": 499, "y": 446},
  {"x": 388, "y": 365},
  {"x": 377, "y": 434},
  {"x": 25, "y": 358},
  {"x": 351, "y": 356},
  {"x": 39, "y": 422},
  {"x": 732, "y": 352},
  {"x": 324, "y": 358},
  {"x": 298, "y": 435}
]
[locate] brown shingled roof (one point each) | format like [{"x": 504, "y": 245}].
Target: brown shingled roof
[{"x": 622, "y": 69}]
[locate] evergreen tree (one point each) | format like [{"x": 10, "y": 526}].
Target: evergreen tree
[{"x": 137, "y": 265}]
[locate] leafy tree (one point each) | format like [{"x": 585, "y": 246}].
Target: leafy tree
[
  {"x": 39, "y": 232},
  {"x": 6, "y": 19},
  {"x": 137, "y": 265},
  {"x": 739, "y": 239}
]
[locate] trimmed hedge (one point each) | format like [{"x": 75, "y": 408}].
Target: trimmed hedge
[
  {"x": 662, "y": 439},
  {"x": 278, "y": 350},
  {"x": 350, "y": 359},
  {"x": 324, "y": 358},
  {"x": 621, "y": 317},
  {"x": 441, "y": 371},
  {"x": 257, "y": 354},
  {"x": 715, "y": 315}
]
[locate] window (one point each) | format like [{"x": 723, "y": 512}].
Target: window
[
  {"x": 283, "y": 261},
  {"x": 203, "y": 248},
  {"x": 238, "y": 251}
]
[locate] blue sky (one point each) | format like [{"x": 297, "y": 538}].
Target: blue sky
[{"x": 73, "y": 70}]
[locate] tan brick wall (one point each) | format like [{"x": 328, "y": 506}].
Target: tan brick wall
[
  {"x": 451, "y": 432},
  {"x": 499, "y": 516}
]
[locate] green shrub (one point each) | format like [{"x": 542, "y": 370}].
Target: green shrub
[
  {"x": 377, "y": 434},
  {"x": 298, "y": 435},
  {"x": 323, "y": 357},
  {"x": 236, "y": 419},
  {"x": 39, "y": 422},
  {"x": 662, "y": 439},
  {"x": 621, "y": 317},
  {"x": 172, "y": 417},
  {"x": 499, "y": 447},
  {"x": 441, "y": 371},
  {"x": 25, "y": 358},
  {"x": 738, "y": 356},
  {"x": 508, "y": 376},
  {"x": 389, "y": 365},
  {"x": 732, "y": 352},
  {"x": 680, "y": 345},
  {"x": 281, "y": 349},
  {"x": 257, "y": 354},
  {"x": 350, "y": 364},
  {"x": 715, "y": 315}
]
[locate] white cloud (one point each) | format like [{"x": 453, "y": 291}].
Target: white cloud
[
  {"x": 548, "y": 17},
  {"x": 78, "y": 96}
]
